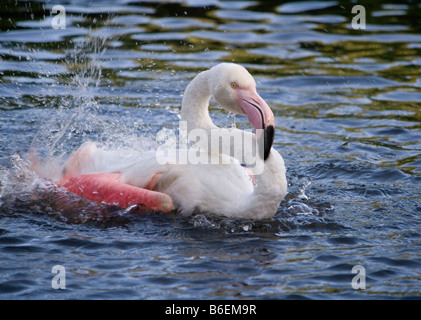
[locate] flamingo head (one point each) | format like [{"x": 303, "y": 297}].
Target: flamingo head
[{"x": 234, "y": 89}]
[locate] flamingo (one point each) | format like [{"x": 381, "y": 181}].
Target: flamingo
[{"x": 226, "y": 188}]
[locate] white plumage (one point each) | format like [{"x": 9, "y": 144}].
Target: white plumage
[{"x": 221, "y": 189}]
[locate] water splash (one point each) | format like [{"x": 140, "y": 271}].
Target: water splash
[
  {"x": 76, "y": 116},
  {"x": 18, "y": 182},
  {"x": 75, "y": 108},
  {"x": 79, "y": 115},
  {"x": 300, "y": 211},
  {"x": 297, "y": 211}
]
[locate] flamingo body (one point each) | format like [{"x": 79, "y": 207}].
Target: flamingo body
[{"x": 225, "y": 188}]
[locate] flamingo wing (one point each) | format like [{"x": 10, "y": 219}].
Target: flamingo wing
[{"x": 106, "y": 187}]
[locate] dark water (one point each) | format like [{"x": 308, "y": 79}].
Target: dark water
[{"x": 347, "y": 105}]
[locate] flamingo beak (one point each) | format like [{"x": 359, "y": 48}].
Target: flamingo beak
[{"x": 259, "y": 115}]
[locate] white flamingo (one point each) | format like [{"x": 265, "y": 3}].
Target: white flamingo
[{"x": 223, "y": 189}]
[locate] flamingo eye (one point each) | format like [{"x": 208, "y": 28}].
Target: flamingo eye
[{"x": 233, "y": 85}]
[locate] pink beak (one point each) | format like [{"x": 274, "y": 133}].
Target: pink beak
[{"x": 260, "y": 116}]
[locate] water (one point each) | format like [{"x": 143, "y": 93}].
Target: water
[{"x": 347, "y": 105}]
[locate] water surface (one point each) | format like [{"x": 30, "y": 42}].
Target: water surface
[{"x": 347, "y": 105}]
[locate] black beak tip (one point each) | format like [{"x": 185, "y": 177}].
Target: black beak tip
[{"x": 269, "y": 136}]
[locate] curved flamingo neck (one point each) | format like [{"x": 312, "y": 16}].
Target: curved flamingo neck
[{"x": 195, "y": 103}]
